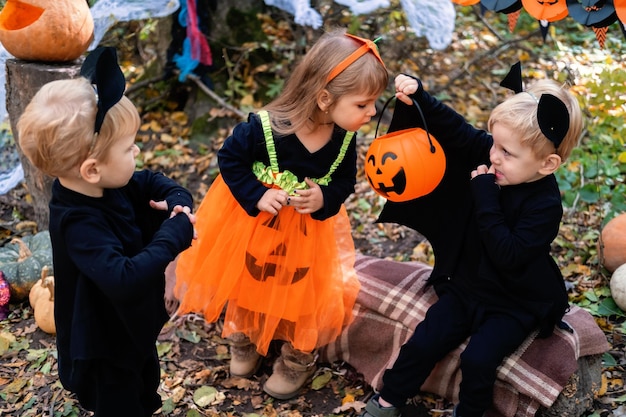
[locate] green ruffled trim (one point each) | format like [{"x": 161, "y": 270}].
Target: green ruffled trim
[{"x": 287, "y": 180}]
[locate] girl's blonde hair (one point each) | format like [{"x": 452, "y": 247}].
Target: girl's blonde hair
[
  {"x": 519, "y": 113},
  {"x": 56, "y": 130},
  {"x": 296, "y": 105}
]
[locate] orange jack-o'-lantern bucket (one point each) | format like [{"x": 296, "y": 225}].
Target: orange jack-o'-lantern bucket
[{"x": 405, "y": 164}]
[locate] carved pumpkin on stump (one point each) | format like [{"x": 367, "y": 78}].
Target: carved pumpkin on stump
[
  {"x": 404, "y": 165},
  {"x": 46, "y": 30}
]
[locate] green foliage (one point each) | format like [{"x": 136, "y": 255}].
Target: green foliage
[{"x": 595, "y": 172}]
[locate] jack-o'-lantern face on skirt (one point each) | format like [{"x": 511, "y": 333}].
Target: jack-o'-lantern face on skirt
[{"x": 275, "y": 254}]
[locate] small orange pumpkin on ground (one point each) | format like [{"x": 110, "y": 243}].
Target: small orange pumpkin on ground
[
  {"x": 612, "y": 243},
  {"x": 41, "y": 299},
  {"x": 46, "y": 30}
]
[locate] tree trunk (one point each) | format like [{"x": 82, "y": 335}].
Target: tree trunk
[
  {"x": 578, "y": 395},
  {"x": 24, "y": 79}
]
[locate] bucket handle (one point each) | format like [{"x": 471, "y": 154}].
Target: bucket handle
[{"x": 419, "y": 109}]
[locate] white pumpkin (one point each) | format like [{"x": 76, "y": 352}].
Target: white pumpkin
[{"x": 618, "y": 286}]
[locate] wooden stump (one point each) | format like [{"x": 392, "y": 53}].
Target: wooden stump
[
  {"x": 578, "y": 395},
  {"x": 24, "y": 79}
]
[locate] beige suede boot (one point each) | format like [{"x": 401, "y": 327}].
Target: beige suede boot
[
  {"x": 244, "y": 359},
  {"x": 291, "y": 370}
]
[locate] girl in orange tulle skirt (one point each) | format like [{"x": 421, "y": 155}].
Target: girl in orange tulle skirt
[
  {"x": 274, "y": 251},
  {"x": 286, "y": 277}
]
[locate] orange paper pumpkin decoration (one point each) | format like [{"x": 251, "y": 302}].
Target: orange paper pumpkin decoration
[
  {"x": 46, "y": 30},
  {"x": 465, "y": 2},
  {"x": 620, "y": 9},
  {"x": 405, "y": 164},
  {"x": 548, "y": 10}
]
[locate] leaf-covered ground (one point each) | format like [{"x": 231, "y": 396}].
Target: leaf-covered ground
[{"x": 195, "y": 380}]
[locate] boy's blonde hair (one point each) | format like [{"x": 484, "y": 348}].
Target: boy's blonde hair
[
  {"x": 297, "y": 103},
  {"x": 56, "y": 130},
  {"x": 519, "y": 113}
]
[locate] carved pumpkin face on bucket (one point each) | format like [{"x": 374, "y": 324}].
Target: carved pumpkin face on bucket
[
  {"x": 548, "y": 10},
  {"x": 275, "y": 253},
  {"x": 404, "y": 165},
  {"x": 46, "y": 30}
]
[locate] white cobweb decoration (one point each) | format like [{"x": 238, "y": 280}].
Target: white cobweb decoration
[
  {"x": 303, "y": 13},
  {"x": 431, "y": 19},
  {"x": 106, "y": 13}
]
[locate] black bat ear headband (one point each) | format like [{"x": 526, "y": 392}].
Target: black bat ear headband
[
  {"x": 552, "y": 113},
  {"x": 101, "y": 68}
]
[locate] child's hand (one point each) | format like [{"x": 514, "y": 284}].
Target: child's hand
[
  {"x": 309, "y": 200},
  {"x": 273, "y": 200},
  {"x": 158, "y": 205},
  {"x": 186, "y": 210},
  {"x": 482, "y": 169},
  {"x": 162, "y": 205},
  {"x": 405, "y": 86}
]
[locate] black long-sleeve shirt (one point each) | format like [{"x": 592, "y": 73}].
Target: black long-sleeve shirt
[
  {"x": 109, "y": 255},
  {"x": 247, "y": 145},
  {"x": 490, "y": 242}
]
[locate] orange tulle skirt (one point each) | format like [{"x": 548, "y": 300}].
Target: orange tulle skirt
[{"x": 286, "y": 277}]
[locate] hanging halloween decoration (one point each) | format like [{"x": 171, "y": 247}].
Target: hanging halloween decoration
[
  {"x": 596, "y": 14},
  {"x": 620, "y": 10},
  {"x": 406, "y": 164},
  {"x": 502, "y": 6},
  {"x": 592, "y": 13},
  {"x": 512, "y": 8},
  {"x": 46, "y": 30},
  {"x": 546, "y": 10},
  {"x": 465, "y": 2}
]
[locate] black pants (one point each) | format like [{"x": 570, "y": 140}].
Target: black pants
[
  {"x": 113, "y": 391},
  {"x": 448, "y": 322}
]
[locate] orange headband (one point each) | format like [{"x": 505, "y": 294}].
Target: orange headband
[{"x": 368, "y": 46}]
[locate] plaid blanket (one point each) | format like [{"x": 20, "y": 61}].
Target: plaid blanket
[{"x": 393, "y": 300}]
